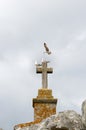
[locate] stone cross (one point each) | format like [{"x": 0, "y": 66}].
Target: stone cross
[{"x": 44, "y": 70}]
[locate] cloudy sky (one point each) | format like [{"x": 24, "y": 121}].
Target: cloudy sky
[{"x": 24, "y": 26}]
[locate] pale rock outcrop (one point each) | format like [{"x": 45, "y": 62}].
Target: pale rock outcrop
[
  {"x": 66, "y": 119},
  {"x": 69, "y": 120},
  {"x": 84, "y": 114}
]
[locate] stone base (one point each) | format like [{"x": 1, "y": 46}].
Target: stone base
[
  {"x": 44, "y": 105},
  {"x": 44, "y": 93}
]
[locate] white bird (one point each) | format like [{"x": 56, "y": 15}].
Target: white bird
[
  {"x": 36, "y": 64},
  {"x": 47, "y": 49}
]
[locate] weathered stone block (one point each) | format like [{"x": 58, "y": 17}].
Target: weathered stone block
[
  {"x": 44, "y": 105},
  {"x": 44, "y": 93}
]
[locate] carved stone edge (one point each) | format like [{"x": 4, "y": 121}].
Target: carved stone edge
[{"x": 51, "y": 101}]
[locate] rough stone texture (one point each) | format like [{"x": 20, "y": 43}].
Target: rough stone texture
[
  {"x": 43, "y": 110},
  {"x": 63, "y": 120},
  {"x": 84, "y": 114},
  {"x": 44, "y": 93},
  {"x": 66, "y": 119},
  {"x": 44, "y": 105}
]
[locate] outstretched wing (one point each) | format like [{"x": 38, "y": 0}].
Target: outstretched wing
[{"x": 46, "y": 48}]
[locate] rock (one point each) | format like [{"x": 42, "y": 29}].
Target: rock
[
  {"x": 32, "y": 127},
  {"x": 84, "y": 114},
  {"x": 67, "y": 120}
]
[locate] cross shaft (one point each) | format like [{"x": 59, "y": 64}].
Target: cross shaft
[{"x": 44, "y": 70}]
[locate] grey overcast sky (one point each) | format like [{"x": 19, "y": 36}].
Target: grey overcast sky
[{"x": 24, "y": 26}]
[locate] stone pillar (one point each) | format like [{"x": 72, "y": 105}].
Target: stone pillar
[{"x": 44, "y": 104}]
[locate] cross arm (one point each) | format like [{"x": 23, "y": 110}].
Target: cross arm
[{"x": 40, "y": 70}]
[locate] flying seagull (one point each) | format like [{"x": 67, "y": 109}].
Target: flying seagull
[{"x": 47, "y": 49}]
